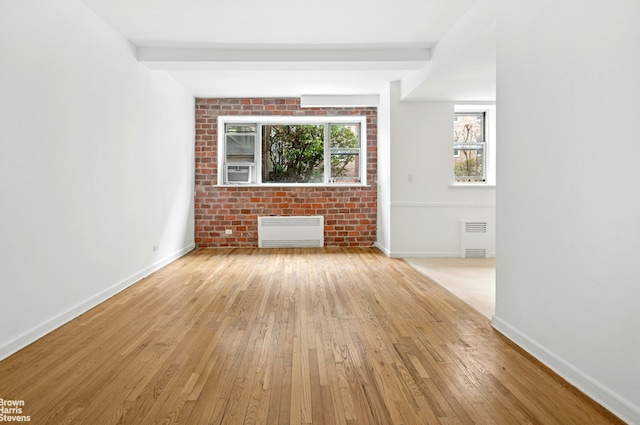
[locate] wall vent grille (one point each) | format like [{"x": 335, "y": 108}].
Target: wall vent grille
[
  {"x": 475, "y": 253},
  {"x": 290, "y": 231},
  {"x": 474, "y": 239},
  {"x": 475, "y": 226}
]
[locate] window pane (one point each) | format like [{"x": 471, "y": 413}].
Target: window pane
[
  {"x": 468, "y": 146},
  {"x": 292, "y": 153},
  {"x": 468, "y": 127},
  {"x": 240, "y": 128},
  {"x": 345, "y": 167},
  {"x": 345, "y": 152},
  {"x": 469, "y": 163},
  {"x": 240, "y": 147},
  {"x": 240, "y": 143}
]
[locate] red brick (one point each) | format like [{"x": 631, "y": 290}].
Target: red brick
[{"x": 350, "y": 213}]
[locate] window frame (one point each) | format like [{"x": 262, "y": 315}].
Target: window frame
[
  {"x": 489, "y": 157},
  {"x": 259, "y": 121}
]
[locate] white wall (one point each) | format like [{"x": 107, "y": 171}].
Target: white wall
[
  {"x": 568, "y": 274},
  {"x": 425, "y": 208},
  {"x": 383, "y": 231},
  {"x": 96, "y": 167}
]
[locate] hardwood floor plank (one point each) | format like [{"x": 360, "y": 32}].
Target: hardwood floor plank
[{"x": 329, "y": 336}]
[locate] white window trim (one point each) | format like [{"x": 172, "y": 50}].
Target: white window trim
[
  {"x": 287, "y": 119},
  {"x": 490, "y": 145}
]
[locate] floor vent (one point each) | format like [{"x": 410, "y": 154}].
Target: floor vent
[
  {"x": 290, "y": 231},
  {"x": 474, "y": 239}
]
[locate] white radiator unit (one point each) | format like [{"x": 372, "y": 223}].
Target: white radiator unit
[
  {"x": 290, "y": 231},
  {"x": 474, "y": 239}
]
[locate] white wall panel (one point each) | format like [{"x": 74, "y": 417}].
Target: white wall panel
[
  {"x": 96, "y": 166},
  {"x": 567, "y": 203},
  {"x": 425, "y": 207}
]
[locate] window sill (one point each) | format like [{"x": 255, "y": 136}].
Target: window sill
[
  {"x": 473, "y": 185},
  {"x": 332, "y": 185}
]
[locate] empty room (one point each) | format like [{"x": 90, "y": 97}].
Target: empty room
[{"x": 211, "y": 211}]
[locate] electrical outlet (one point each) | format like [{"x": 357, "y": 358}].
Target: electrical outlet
[
  {"x": 228, "y": 231},
  {"x": 155, "y": 248}
]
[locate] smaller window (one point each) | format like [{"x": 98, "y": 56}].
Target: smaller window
[
  {"x": 469, "y": 142},
  {"x": 240, "y": 153},
  {"x": 344, "y": 149}
]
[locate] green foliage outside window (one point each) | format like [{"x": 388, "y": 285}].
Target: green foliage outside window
[
  {"x": 295, "y": 153},
  {"x": 344, "y": 145}
]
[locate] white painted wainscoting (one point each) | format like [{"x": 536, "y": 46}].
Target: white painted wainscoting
[{"x": 432, "y": 229}]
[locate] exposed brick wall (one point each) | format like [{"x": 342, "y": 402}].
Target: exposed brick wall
[{"x": 350, "y": 212}]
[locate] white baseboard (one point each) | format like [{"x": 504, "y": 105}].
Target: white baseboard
[
  {"x": 55, "y": 322},
  {"x": 613, "y": 402},
  {"x": 382, "y": 248},
  {"x": 421, "y": 254},
  {"x": 438, "y": 254}
]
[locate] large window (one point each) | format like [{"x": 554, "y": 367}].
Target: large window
[
  {"x": 472, "y": 134},
  {"x": 292, "y": 151}
]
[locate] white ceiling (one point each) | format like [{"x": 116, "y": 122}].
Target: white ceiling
[{"x": 440, "y": 49}]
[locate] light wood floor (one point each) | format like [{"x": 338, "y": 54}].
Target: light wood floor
[
  {"x": 275, "y": 336},
  {"x": 473, "y": 280}
]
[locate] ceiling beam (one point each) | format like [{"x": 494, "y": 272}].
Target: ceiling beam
[{"x": 286, "y": 58}]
